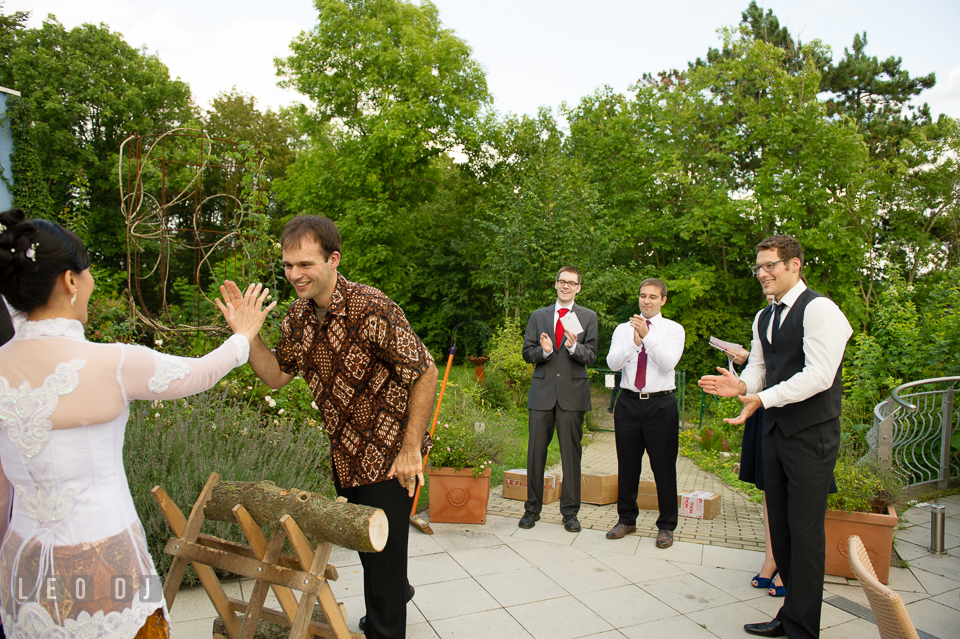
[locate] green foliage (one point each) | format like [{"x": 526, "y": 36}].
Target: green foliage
[
  {"x": 914, "y": 334},
  {"x": 506, "y": 358},
  {"x": 29, "y": 188},
  {"x": 713, "y": 462},
  {"x": 86, "y": 90},
  {"x": 392, "y": 91},
  {"x": 863, "y": 487},
  {"x": 471, "y": 433},
  {"x": 177, "y": 444}
]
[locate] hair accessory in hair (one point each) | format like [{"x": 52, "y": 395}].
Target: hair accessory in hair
[
  {"x": 32, "y": 252},
  {"x": 2, "y": 228}
]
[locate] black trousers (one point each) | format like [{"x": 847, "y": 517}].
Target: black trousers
[
  {"x": 797, "y": 474},
  {"x": 651, "y": 425},
  {"x": 569, "y": 426},
  {"x": 385, "y": 572}
]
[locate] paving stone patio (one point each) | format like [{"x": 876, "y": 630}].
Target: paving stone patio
[{"x": 500, "y": 581}]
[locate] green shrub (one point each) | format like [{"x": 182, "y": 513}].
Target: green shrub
[
  {"x": 862, "y": 486},
  {"x": 177, "y": 444},
  {"x": 506, "y": 359},
  {"x": 501, "y": 440}
]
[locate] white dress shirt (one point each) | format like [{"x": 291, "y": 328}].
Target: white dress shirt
[
  {"x": 556, "y": 318},
  {"x": 664, "y": 346},
  {"x": 825, "y": 334}
]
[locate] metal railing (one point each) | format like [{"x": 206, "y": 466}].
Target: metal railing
[{"x": 912, "y": 432}]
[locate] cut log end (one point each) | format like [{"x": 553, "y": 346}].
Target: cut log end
[{"x": 379, "y": 530}]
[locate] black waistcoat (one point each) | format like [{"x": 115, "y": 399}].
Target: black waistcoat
[{"x": 784, "y": 359}]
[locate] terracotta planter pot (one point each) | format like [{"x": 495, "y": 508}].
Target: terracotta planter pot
[
  {"x": 876, "y": 531},
  {"x": 457, "y": 497}
]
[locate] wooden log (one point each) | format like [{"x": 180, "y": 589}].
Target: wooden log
[{"x": 351, "y": 526}]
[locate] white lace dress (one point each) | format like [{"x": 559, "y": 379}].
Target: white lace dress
[{"x": 74, "y": 560}]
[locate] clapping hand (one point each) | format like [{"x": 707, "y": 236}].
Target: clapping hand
[
  {"x": 244, "y": 312},
  {"x": 545, "y": 343}
]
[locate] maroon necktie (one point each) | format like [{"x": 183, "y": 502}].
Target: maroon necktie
[
  {"x": 641, "y": 380},
  {"x": 559, "y": 331}
]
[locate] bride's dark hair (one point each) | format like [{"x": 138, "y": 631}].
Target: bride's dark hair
[{"x": 33, "y": 254}]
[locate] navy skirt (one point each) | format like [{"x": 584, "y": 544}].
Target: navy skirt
[{"x": 751, "y": 452}]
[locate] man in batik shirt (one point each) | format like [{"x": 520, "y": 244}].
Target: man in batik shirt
[{"x": 374, "y": 382}]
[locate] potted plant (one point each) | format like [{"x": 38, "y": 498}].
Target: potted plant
[
  {"x": 459, "y": 475},
  {"x": 864, "y": 506}
]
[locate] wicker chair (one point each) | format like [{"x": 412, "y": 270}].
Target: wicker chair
[{"x": 891, "y": 615}]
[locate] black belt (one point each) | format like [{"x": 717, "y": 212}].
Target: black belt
[{"x": 636, "y": 395}]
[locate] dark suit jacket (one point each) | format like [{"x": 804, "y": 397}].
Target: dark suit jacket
[
  {"x": 560, "y": 379},
  {"x": 6, "y": 324}
]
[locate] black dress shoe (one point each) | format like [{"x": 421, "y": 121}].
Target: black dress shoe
[
  {"x": 528, "y": 519},
  {"x": 363, "y": 620},
  {"x": 769, "y": 629},
  {"x": 570, "y": 524}
]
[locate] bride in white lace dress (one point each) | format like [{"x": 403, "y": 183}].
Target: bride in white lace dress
[{"x": 74, "y": 561}]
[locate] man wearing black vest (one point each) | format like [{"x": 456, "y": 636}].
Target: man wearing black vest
[{"x": 795, "y": 374}]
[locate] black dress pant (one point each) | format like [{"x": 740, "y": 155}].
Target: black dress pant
[
  {"x": 651, "y": 425},
  {"x": 569, "y": 426},
  {"x": 797, "y": 474},
  {"x": 385, "y": 572}
]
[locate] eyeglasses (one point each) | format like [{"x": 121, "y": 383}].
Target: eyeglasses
[
  {"x": 565, "y": 283},
  {"x": 768, "y": 267}
]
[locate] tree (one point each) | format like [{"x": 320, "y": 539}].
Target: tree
[
  {"x": 86, "y": 90},
  {"x": 540, "y": 213},
  {"x": 876, "y": 95},
  {"x": 391, "y": 92}
]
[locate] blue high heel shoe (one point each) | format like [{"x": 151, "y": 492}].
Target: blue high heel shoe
[{"x": 763, "y": 582}]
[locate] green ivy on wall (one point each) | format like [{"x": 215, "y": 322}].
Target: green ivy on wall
[{"x": 28, "y": 189}]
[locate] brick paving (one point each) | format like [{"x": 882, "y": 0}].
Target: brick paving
[{"x": 739, "y": 524}]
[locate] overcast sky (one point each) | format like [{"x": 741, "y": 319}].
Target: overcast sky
[{"x": 535, "y": 52}]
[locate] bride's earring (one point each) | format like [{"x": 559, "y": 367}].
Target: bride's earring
[{"x": 73, "y": 299}]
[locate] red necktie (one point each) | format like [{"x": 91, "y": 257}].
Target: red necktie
[
  {"x": 559, "y": 330},
  {"x": 641, "y": 379}
]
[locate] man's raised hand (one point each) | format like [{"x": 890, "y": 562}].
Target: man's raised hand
[
  {"x": 751, "y": 403},
  {"x": 545, "y": 343},
  {"x": 726, "y": 384}
]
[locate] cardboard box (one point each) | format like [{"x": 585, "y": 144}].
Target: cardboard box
[
  {"x": 515, "y": 485},
  {"x": 700, "y": 504},
  {"x": 598, "y": 489},
  {"x": 647, "y": 495}
]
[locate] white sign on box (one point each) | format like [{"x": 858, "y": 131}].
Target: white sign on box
[
  {"x": 571, "y": 323},
  {"x": 691, "y": 504}
]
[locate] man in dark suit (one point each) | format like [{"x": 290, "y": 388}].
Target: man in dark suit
[
  {"x": 559, "y": 395},
  {"x": 795, "y": 374}
]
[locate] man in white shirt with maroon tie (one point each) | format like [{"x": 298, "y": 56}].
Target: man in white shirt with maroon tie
[{"x": 646, "y": 349}]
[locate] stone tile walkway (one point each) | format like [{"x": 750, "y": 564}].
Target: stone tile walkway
[
  {"x": 499, "y": 581},
  {"x": 739, "y": 524}
]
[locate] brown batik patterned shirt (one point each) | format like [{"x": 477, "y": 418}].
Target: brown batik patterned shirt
[{"x": 359, "y": 363}]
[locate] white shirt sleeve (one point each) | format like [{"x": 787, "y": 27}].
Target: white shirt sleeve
[
  {"x": 755, "y": 374},
  {"x": 147, "y": 374},
  {"x": 622, "y": 348},
  {"x": 664, "y": 345},
  {"x": 825, "y": 334}
]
